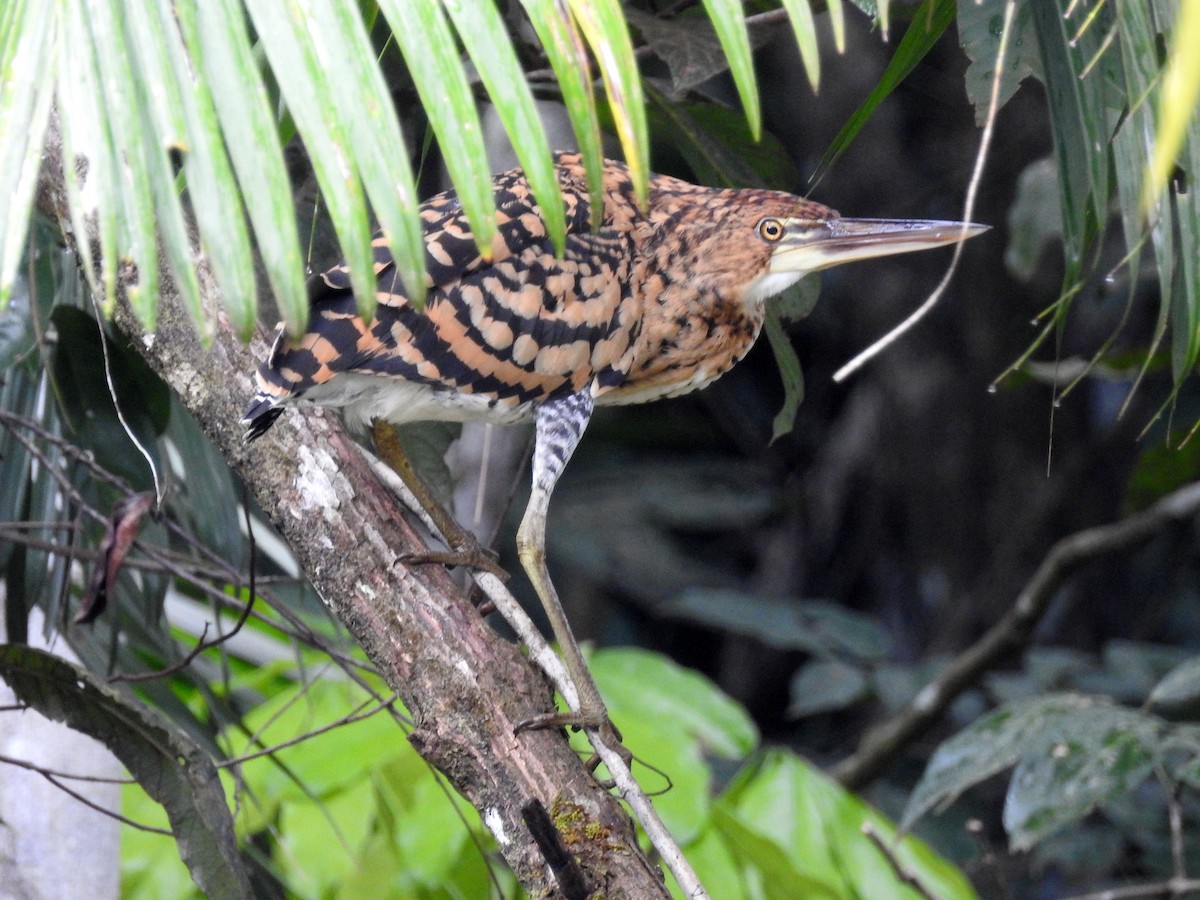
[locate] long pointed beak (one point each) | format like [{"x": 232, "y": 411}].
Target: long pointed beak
[{"x": 838, "y": 241}]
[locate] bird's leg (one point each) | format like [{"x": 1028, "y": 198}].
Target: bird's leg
[
  {"x": 560, "y": 425},
  {"x": 465, "y": 549}
]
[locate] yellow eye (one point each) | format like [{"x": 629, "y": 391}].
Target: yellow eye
[{"x": 770, "y": 230}]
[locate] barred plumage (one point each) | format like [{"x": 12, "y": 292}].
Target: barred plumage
[{"x": 654, "y": 304}]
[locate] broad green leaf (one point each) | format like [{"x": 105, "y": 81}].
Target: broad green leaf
[
  {"x": 483, "y": 34},
  {"x": 815, "y": 626},
  {"x": 171, "y": 768},
  {"x": 1179, "y": 692},
  {"x": 780, "y": 876},
  {"x": 1094, "y": 759},
  {"x": 317, "y": 111},
  {"x": 825, "y": 685},
  {"x": 408, "y": 790},
  {"x": 1034, "y": 219},
  {"x": 379, "y": 148},
  {"x": 790, "y": 372},
  {"x": 424, "y": 38},
  {"x": 603, "y": 25},
  {"x": 564, "y": 48},
  {"x": 676, "y": 727},
  {"x": 217, "y": 40},
  {"x": 25, "y": 95},
  {"x": 980, "y": 25},
  {"x": 16, "y": 331},
  {"x": 82, "y": 389},
  {"x": 923, "y": 32},
  {"x": 717, "y": 145},
  {"x": 721, "y": 870},
  {"x": 1026, "y": 729},
  {"x": 818, "y": 827},
  {"x": 212, "y": 190}
]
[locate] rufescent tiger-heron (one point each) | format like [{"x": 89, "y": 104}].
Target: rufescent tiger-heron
[{"x": 655, "y": 303}]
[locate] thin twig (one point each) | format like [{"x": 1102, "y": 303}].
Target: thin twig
[
  {"x": 903, "y": 874},
  {"x": 112, "y": 814},
  {"x": 347, "y": 719},
  {"x": 968, "y": 211},
  {"x": 1174, "y": 887},
  {"x": 879, "y": 746},
  {"x": 73, "y": 776}
]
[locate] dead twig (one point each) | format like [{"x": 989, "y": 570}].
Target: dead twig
[{"x": 882, "y": 744}]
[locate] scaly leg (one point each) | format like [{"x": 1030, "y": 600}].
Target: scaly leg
[
  {"x": 464, "y": 547},
  {"x": 560, "y": 425}
]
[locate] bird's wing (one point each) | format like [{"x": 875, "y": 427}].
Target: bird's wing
[{"x": 519, "y": 326}]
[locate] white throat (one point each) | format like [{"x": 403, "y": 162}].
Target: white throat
[{"x": 769, "y": 285}]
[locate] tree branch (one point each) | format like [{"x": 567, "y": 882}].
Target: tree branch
[
  {"x": 879, "y": 746},
  {"x": 465, "y": 686}
]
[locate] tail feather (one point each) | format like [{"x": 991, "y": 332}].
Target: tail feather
[{"x": 260, "y": 415}]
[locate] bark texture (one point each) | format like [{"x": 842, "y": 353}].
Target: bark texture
[{"x": 465, "y": 686}]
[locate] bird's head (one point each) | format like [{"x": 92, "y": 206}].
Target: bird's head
[{"x": 758, "y": 243}]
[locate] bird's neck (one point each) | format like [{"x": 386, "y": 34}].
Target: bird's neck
[{"x": 691, "y": 334}]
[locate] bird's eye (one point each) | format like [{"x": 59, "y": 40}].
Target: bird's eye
[{"x": 770, "y": 230}]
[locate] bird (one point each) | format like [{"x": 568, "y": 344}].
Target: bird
[{"x": 657, "y": 301}]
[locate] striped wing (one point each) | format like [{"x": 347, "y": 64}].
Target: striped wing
[{"x": 521, "y": 327}]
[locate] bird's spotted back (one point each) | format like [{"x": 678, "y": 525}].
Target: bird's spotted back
[{"x": 514, "y": 330}]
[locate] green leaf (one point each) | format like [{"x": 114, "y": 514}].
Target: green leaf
[
  {"x": 380, "y": 152},
  {"x": 1031, "y": 729},
  {"x": 804, "y": 27},
  {"x": 1079, "y": 123},
  {"x": 212, "y": 190},
  {"x": 815, "y": 626},
  {"x": 83, "y": 394},
  {"x": 483, "y": 34},
  {"x": 25, "y": 95},
  {"x": 731, "y": 31},
  {"x": 1177, "y": 101},
  {"x": 603, "y": 25},
  {"x": 79, "y": 97},
  {"x": 1178, "y": 694},
  {"x": 424, "y": 38},
  {"x": 217, "y": 40},
  {"x": 1095, "y": 759},
  {"x": 1034, "y": 219},
  {"x": 818, "y": 826},
  {"x": 171, "y": 768},
  {"x": 158, "y": 104},
  {"x": 677, "y": 726},
  {"x": 790, "y": 372},
  {"x": 923, "y": 32},
  {"x": 563, "y": 48},
  {"x": 16, "y": 327},
  {"x": 717, "y": 145},
  {"x": 822, "y": 686},
  {"x": 317, "y": 111},
  {"x": 979, "y": 28},
  {"x": 779, "y": 875}
]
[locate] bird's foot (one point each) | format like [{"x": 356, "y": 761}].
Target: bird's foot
[
  {"x": 471, "y": 556},
  {"x": 608, "y": 733}
]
